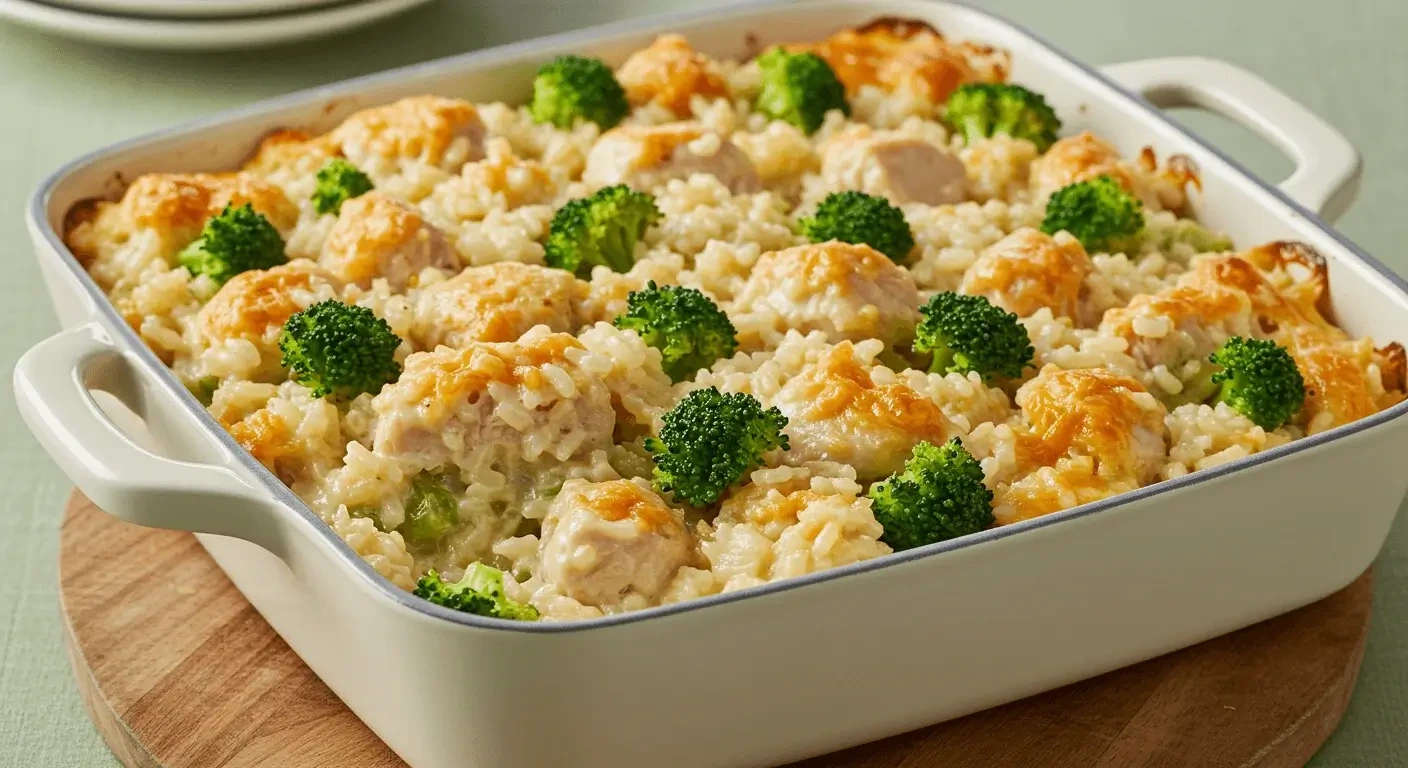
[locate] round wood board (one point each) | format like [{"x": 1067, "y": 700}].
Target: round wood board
[{"x": 178, "y": 671}]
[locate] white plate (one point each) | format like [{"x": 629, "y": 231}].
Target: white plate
[
  {"x": 200, "y": 34},
  {"x": 174, "y": 9}
]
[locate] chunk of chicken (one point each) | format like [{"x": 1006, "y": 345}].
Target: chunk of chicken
[
  {"x": 253, "y": 307},
  {"x": 846, "y": 291},
  {"x": 670, "y": 73},
  {"x": 1086, "y": 156},
  {"x": 161, "y": 213},
  {"x": 904, "y": 169},
  {"x": 529, "y": 401},
  {"x": 497, "y": 302},
  {"x": 646, "y": 157},
  {"x": 1028, "y": 270},
  {"x": 1345, "y": 380},
  {"x": 843, "y": 411},
  {"x": 377, "y": 236},
  {"x": 909, "y": 58},
  {"x": 1094, "y": 413},
  {"x": 1182, "y": 324},
  {"x": 291, "y": 160},
  {"x": 612, "y": 545},
  {"x": 408, "y": 146}
]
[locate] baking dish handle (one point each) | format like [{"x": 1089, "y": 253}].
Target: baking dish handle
[
  {"x": 53, "y": 389},
  {"x": 1327, "y": 167}
]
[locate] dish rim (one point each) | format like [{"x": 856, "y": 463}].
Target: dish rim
[{"x": 126, "y": 339}]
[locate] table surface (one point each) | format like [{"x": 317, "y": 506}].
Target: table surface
[{"x": 1342, "y": 59}]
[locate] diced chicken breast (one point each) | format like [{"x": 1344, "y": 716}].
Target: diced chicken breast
[
  {"x": 905, "y": 169},
  {"x": 612, "y": 545},
  {"x": 377, "y": 236},
  {"x": 908, "y": 58},
  {"x": 432, "y": 130},
  {"x": 1183, "y": 323},
  {"x": 846, "y": 291},
  {"x": 291, "y": 160},
  {"x": 530, "y": 399},
  {"x": 647, "y": 157},
  {"x": 254, "y": 305},
  {"x": 1086, "y": 156},
  {"x": 1109, "y": 418},
  {"x": 670, "y": 73},
  {"x": 161, "y": 213},
  {"x": 239, "y": 327},
  {"x": 497, "y": 302},
  {"x": 1028, "y": 270},
  {"x": 843, "y": 411}
]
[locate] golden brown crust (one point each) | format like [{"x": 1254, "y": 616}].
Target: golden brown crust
[
  {"x": 1091, "y": 411},
  {"x": 376, "y": 236},
  {"x": 420, "y": 127},
  {"x": 670, "y": 73},
  {"x": 905, "y": 55},
  {"x": 255, "y": 303},
  {"x": 498, "y": 303},
  {"x": 1028, "y": 270},
  {"x": 618, "y": 500},
  {"x": 837, "y": 388}
]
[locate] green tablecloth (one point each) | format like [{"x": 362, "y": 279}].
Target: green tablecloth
[{"x": 1345, "y": 60}]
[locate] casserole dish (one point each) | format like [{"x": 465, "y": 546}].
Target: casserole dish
[{"x": 1103, "y": 586}]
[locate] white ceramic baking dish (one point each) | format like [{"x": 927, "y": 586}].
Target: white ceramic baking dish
[{"x": 788, "y": 670}]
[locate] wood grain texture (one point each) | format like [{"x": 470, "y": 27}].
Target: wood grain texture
[{"x": 178, "y": 671}]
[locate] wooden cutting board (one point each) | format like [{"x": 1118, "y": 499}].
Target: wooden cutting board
[{"x": 178, "y": 671}]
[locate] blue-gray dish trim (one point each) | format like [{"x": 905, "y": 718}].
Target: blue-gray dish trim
[{"x": 132, "y": 344}]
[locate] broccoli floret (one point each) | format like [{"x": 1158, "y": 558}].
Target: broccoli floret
[
  {"x": 339, "y": 349},
  {"x": 431, "y": 512},
  {"x": 204, "y": 389},
  {"x": 480, "y": 592},
  {"x": 1259, "y": 380},
  {"x": 980, "y": 110},
  {"x": 370, "y": 512},
  {"x": 1195, "y": 236},
  {"x": 969, "y": 333},
  {"x": 1099, "y": 213},
  {"x": 690, "y": 331},
  {"x": 710, "y": 441},
  {"x": 939, "y": 496},
  {"x": 235, "y": 240},
  {"x": 855, "y": 217},
  {"x": 601, "y": 229},
  {"x": 570, "y": 87},
  {"x": 338, "y": 182},
  {"x": 799, "y": 88}
]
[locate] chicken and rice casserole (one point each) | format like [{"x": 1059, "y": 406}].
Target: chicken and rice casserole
[{"x": 883, "y": 301}]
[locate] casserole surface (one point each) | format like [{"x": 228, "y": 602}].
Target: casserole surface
[
  {"x": 448, "y": 249},
  {"x": 1101, "y": 586}
]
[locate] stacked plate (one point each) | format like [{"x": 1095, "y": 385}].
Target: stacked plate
[{"x": 198, "y": 24}]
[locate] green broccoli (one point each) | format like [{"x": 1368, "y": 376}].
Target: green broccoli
[
  {"x": 1189, "y": 233},
  {"x": 338, "y": 181},
  {"x": 939, "y": 496},
  {"x": 855, "y": 217},
  {"x": 1259, "y": 380},
  {"x": 480, "y": 592},
  {"x": 431, "y": 512},
  {"x": 204, "y": 389},
  {"x": 339, "y": 349},
  {"x": 370, "y": 512},
  {"x": 799, "y": 88},
  {"x": 688, "y": 328},
  {"x": 571, "y": 87},
  {"x": 1099, "y": 213},
  {"x": 235, "y": 240},
  {"x": 710, "y": 441},
  {"x": 969, "y": 333},
  {"x": 600, "y": 229},
  {"x": 979, "y": 110}
]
